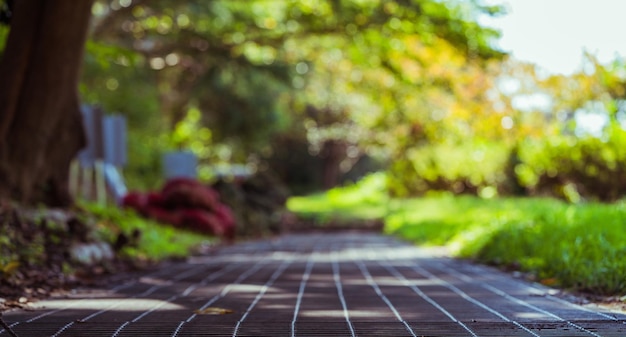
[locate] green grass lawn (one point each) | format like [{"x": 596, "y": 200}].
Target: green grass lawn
[
  {"x": 576, "y": 246},
  {"x": 366, "y": 200}
]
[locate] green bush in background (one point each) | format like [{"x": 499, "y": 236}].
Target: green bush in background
[
  {"x": 575, "y": 168},
  {"x": 478, "y": 168},
  {"x": 569, "y": 167}
]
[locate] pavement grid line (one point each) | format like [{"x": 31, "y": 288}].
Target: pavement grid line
[
  {"x": 305, "y": 278},
  {"x": 339, "y": 286}
]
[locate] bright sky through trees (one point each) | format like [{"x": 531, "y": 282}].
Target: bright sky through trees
[{"x": 554, "y": 33}]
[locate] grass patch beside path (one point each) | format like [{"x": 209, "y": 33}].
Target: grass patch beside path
[
  {"x": 363, "y": 201},
  {"x": 581, "y": 247},
  {"x": 156, "y": 241}
]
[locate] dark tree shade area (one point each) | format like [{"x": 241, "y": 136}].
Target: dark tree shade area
[{"x": 6, "y": 11}]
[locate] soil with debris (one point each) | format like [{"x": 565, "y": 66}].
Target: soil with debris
[{"x": 51, "y": 251}]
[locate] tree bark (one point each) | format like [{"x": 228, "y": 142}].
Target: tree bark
[
  {"x": 40, "y": 121},
  {"x": 332, "y": 154}
]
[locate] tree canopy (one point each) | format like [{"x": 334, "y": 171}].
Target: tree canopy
[
  {"x": 253, "y": 69},
  {"x": 416, "y": 84}
]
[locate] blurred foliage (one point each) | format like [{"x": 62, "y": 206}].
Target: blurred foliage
[
  {"x": 582, "y": 160},
  {"x": 254, "y": 70},
  {"x": 560, "y": 136},
  {"x": 292, "y": 159},
  {"x": 4, "y": 33},
  {"x": 257, "y": 203},
  {"x": 471, "y": 168},
  {"x": 311, "y": 88},
  {"x": 575, "y": 168},
  {"x": 113, "y": 78}
]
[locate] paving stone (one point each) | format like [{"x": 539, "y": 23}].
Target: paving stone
[{"x": 333, "y": 284}]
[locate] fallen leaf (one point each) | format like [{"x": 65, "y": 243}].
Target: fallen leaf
[
  {"x": 213, "y": 311},
  {"x": 550, "y": 281}
]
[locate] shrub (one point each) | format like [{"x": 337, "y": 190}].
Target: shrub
[
  {"x": 575, "y": 168},
  {"x": 472, "y": 168}
]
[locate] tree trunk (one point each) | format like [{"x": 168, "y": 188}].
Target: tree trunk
[
  {"x": 40, "y": 121},
  {"x": 332, "y": 154}
]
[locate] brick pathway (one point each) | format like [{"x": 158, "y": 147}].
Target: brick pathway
[{"x": 317, "y": 285}]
